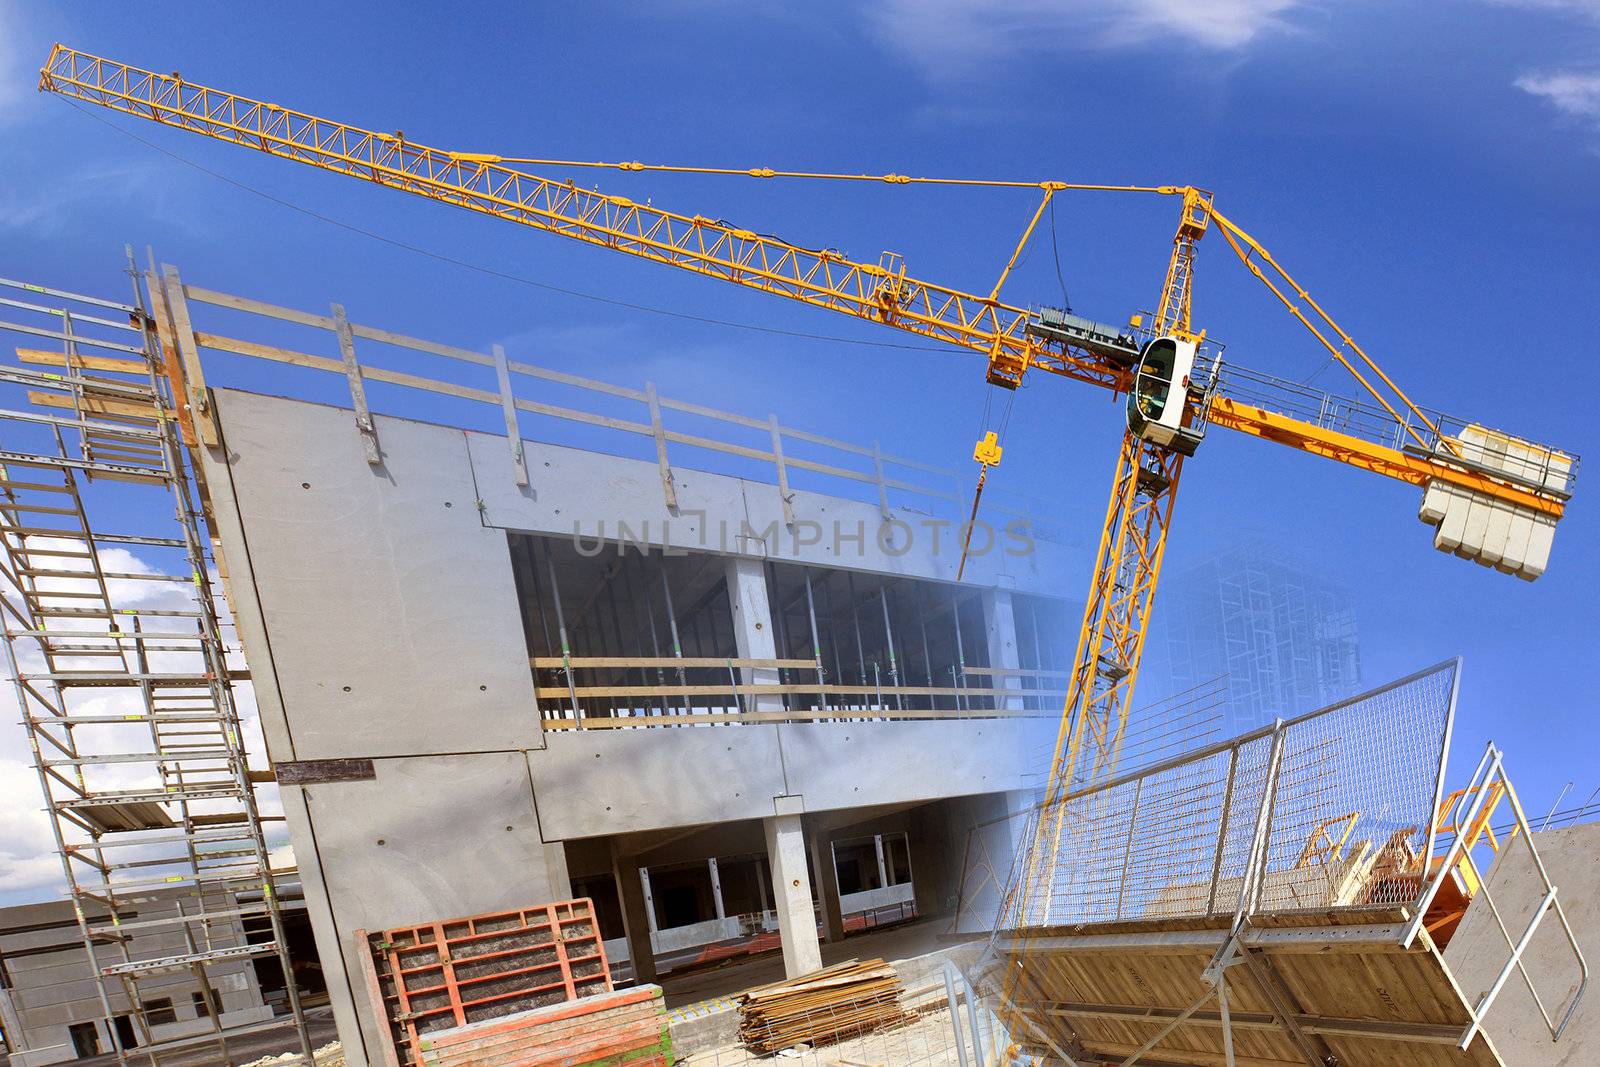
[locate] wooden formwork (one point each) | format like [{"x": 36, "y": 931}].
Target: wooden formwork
[
  {"x": 623, "y": 1027},
  {"x": 1307, "y": 985},
  {"x": 451, "y": 973}
]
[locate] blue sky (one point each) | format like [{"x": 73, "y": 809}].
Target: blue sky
[{"x": 1427, "y": 169}]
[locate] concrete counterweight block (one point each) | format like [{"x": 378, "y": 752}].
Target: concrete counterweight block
[{"x": 1494, "y": 533}]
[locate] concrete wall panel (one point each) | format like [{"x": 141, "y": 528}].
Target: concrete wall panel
[
  {"x": 1478, "y": 950},
  {"x": 908, "y": 761},
  {"x": 430, "y": 838},
  {"x": 573, "y": 492},
  {"x": 616, "y": 781},
  {"x": 391, "y": 610},
  {"x": 573, "y": 489},
  {"x": 599, "y": 782}
]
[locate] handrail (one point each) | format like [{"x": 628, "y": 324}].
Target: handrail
[
  {"x": 776, "y": 453},
  {"x": 1487, "y": 788}
]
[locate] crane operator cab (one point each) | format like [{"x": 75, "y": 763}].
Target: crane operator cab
[{"x": 1158, "y": 399}]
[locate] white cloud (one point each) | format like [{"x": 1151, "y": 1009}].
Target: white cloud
[
  {"x": 46, "y": 207},
  {"x": 29, "y": 868},
  {"x": 954, "y": 37},
  {"x": 1586, "y": 8},
  {"x": 1570, "y": 92}
]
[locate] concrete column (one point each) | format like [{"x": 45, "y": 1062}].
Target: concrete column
[
  {"x": 786, "y": 855},
  {"x": 1000, "y": 631},
  {"x": 636, "y": 918},
  {"x": 752, "y": 627},
  {"x": 827, "y": 886},
  {"x": 716, "y": 888},
  {"x": 649, "y": 899},
  {"x": 761, "y": 887},
  {"x": 883, "y": 867},
  {"x": 937, "y": 844},
  {"x": 555, "y": 864}
]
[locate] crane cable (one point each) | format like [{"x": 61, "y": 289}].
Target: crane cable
[
  {"x": 987, "y": 453},
  {"x": 768, "y": 172},
  {"x": 989, "y": 456}
]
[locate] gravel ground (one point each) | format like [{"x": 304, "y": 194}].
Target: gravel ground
[{"x": 928, "y": 1042}]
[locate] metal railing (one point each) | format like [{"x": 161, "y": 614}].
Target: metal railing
[
  {"x": 1458, "y": 441},
  {"x": 1473, "y": 808},
  {"x": 1330, "y": 809},
  {"x": 1340, "y": 809}
]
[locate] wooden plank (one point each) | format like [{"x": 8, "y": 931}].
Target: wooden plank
[
  {"x": 333, "y": 366},
  {"x": 670, "y": 661},
  {"x": 846, "y": 1000},
  {"x": 877, "y": 470},
  {"x": 619, "y": 722},
  {"x": 274, "y": 354},
  {"x": 1015, "y": 672},
  {"x": 252, "y": 349},
  {"x": 183, "y": 336},
  {"x": 1371, "y": 1002},
  {"x": 319, "y": 771},
  {"x": 101, "y": 363},
  {"x": 711, "y": 445},
  {"x": 400, "y": 340},
  {"x": 256, "y": 307},
  {"x": 95, "y": 405},
  {"x": 171, "y": 365},
  {"x": 375, "y": 1001}
]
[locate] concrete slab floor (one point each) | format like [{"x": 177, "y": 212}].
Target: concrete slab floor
[{"x": 915, "y": 938}]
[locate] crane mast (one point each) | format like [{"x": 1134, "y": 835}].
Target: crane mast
[{"x": 1527, "y": 485}]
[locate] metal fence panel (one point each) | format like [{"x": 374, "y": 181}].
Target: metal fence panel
[{"x": 1331, "y": 809}]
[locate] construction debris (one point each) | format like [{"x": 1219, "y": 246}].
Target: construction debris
[
  {"x": 329, "y": 1055},
  {"x": 842, "y": 1001}
]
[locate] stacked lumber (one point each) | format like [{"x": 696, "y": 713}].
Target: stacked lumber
[
  {"x": 843, "y": 1001},
  {"x": 622, "y": 1026}
]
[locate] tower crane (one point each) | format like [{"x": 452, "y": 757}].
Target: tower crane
[{"x": 1490, "y": 497}]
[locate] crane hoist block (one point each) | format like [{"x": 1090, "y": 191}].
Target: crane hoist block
[{"x": 1496, "y": 533}]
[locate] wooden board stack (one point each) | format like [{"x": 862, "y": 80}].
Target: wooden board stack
[{"x": 840, "y": 1002}]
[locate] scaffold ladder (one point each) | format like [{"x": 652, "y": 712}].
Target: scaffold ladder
[{"x": 115, "y": 646}]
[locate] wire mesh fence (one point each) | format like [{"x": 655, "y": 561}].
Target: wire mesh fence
[{"x": 1334, "y": 808}]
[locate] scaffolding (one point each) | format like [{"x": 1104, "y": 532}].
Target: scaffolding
[
  {"x": 1285, "y": 634},
  {"x": 115, "y": 643}
]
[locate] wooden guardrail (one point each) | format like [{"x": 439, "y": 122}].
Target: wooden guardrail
[
  {"x": 647, "y": 705},
  {"x": 501, "y": 371}
]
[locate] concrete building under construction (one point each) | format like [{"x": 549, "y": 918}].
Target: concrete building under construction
[
  {"x": 685, "y": 698},
  {"x": 516, "y": 634},
  {"x": 493, "y": 670}
]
